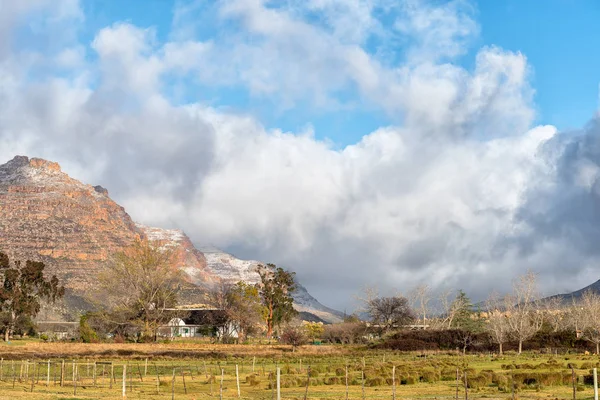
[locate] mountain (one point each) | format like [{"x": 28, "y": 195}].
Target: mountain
[
  {"x": 576, "y": 295},
  {"x": 74, "y": 228}
]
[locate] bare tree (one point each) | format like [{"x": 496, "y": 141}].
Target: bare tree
[
  {"x": 390, "y": 312},
  {"x": 139, "y": 286},
  {"x": 419, "y": 299},
  {"x": 497, "y": 322},
  {"x": 554, "y": 312},
  {"x": 448, "y": 312},
  {"x": 575, "y": 316},
  {"x": 590, "y": 306},
  {"x": 522, "y": 309}
]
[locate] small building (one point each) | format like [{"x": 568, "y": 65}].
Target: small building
[
  {"x": 58, "y": 330},
  {"x": 198, "y": 321}
]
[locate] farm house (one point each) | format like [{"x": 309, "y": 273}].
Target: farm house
[{"x": 199, "y": 322}]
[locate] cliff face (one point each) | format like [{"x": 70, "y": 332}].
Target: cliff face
[{"x": 74, "y": 228}]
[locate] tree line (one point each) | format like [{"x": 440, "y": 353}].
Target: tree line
[
  {"x": 139, "y": 292},
  {"x": 516, "y": 317}
]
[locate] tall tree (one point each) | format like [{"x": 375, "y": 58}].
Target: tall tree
[
  {"x": 138, "y": 287},
  {"x": 242, "y": 306},
  {"x": 462, "y": 309},
  {"x": 522, "y": 309},
  {"x": 275, "y": 289},
  {"x": 497, "y": 323},
  {"x": 390, "y": 312},
  {"x": 23, "y": 286},
  {"x": 420, "y": 298}
]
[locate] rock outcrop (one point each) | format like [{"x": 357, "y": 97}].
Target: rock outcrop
[
  {"x": 75, "y": 228},
  {"x": 48, "y": 216}
]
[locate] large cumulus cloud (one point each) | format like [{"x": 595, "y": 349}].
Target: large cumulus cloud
[{"x": 459, "y": 190}]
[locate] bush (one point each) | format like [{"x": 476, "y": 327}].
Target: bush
[
  {"x": 293, "y": 336},
  {"x": 253, "y": 380},
  {"x": 435, "y": 340},
  {"x": 375, "y": 381},
  {"x": 332, "y": 380},
  {"x": 344, "y": 333},
  {"x": 86, "y": 333}
]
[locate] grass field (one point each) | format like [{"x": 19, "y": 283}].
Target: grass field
[{"x": 181, "y": 370}]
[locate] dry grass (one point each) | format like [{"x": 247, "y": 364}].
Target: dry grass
[{"x": 178, "y": 349}]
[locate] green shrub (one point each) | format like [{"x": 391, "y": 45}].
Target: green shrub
[
  {"x": 375, "y": 381},
  {"x": 476, "y": 382},
  {"x": 429, "y": 376}
]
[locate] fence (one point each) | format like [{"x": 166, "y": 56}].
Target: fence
[{"x": 250, "y": 379}]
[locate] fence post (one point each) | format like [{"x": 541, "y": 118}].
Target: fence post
[
  {"x": 457, "y": 384},
  {"x": 595, "y": 384},
  {"x": 111, "y": 378},
  {"x": 33, "y": 376},
  {"x": 573, "y": 378},
  {"x": 62, "y": 373},
  {"x": 146, "y": 367},
  {"x": 124, "y": 381},
  {"x": 173, "y": 386},
  {"x": 237, "y": 380},
  {"x": 512, "y": 383},
  {"x": 466, "y": 386},
  {"x": 183, "y": 379},
  {"x": 192, "y": 371},
  {"x": 307, "y": 383},
  {"x": 363, "y": 383},
  {"x": 221, "y": 385},
  {"x": 48, "y": 375},
  {"x": 253, "y": 362},
  {"x": 278, "y": 383},
  {"x": 94, "y": 372},
  {"x": 140, "y": 373},
  {"x": 346, "y": 381},
  {"x": 394, "y": 382},
  {"x": 157, "y": 379},
  {"x": 75, "y": 381}
]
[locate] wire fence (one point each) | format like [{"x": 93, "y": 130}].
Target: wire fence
[{"x": 354, "y": 378}]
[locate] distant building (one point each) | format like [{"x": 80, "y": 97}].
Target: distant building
[
  {"x": 200, "y": 321},
  {"x": 58, "y": 330}
]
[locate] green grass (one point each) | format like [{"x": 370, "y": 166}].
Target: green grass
[{"x": 535, "y": 376}]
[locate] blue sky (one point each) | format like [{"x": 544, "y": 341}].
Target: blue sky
[{"x": 559, "y": 40}]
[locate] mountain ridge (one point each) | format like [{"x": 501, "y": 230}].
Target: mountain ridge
[{"x": 75, "y": 228}]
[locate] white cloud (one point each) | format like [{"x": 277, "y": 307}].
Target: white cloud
[{"x": 460, "y": 191}]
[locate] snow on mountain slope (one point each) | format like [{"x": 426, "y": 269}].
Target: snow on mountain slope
[{"x": 232, "y": 269}]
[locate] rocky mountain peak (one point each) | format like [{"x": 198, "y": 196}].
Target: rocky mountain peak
[
  {"x": 22, "y": 170},
  {"x": 19, "y": 162}
]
